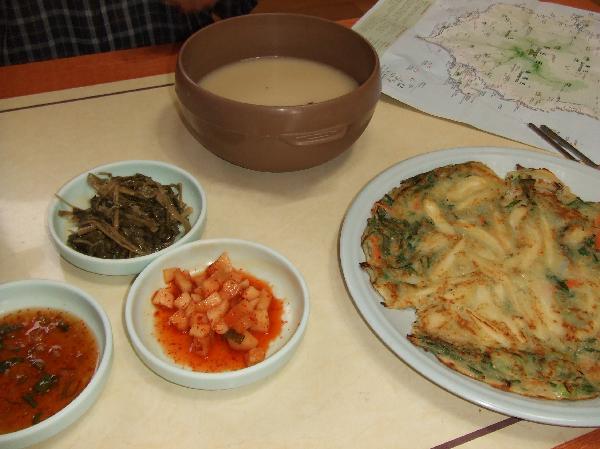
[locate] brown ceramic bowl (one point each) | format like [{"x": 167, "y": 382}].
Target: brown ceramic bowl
[{"x": 277, "y": 138}]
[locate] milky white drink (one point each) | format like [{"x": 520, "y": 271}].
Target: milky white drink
[{"x": 278, "y": 81}]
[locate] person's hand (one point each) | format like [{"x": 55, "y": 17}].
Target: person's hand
[{"x": 192, "y": 5}]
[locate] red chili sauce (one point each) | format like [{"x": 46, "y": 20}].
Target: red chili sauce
[
  {"x": 220, "y": 356},
  {"x": 47, "y": 357}
]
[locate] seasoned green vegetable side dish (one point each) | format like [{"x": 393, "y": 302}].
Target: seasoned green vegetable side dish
[{"x": 129, "y": 216}]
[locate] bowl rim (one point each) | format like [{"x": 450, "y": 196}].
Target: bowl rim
[
  {"x": 175, "y": 370},
  {"x": 375, "y": 72},
  {"x": 141, "y": 260},
  {"x": 77, "y": 407}
]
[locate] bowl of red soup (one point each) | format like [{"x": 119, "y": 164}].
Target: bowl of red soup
[
  {"x": 217, "y": 314},
  {"x": 55, "y": 355}
]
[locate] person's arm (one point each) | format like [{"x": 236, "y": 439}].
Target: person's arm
[
  {"x": 231, "y": 8},
  {"x": 192, "y": 5}
]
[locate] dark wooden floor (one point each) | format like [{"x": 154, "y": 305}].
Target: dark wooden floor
[{"x": 328, "y": 9}]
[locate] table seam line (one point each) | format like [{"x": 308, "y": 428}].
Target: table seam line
[
  {"x": 463, "y": 439},
  {"x": 89, "y": 97}
]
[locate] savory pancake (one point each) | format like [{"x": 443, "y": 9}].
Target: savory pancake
[{"x": 504, "y": 275}]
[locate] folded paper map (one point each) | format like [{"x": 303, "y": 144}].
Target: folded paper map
[{"x": 498, "y": 66}]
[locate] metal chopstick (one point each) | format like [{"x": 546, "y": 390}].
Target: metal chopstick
[
  {"x": 562, "y": 151},
  {"x": 562, "y": 145},
  {"x": 586, "y": 160}
]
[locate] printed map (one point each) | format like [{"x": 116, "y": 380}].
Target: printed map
[
  {"x": 500, "y": 65},
  {"x": 542, "y": 61}
]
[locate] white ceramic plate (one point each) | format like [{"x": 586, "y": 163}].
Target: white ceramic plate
[
  {"x": 258, "y": 260},
  {"x": 392, "y": 326},
  {"x": 57, "y": 295},
  {"x": 78, "y": 193}
]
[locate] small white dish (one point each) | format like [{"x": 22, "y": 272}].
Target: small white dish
[
  {"x": 78, "y": 193},
  {"x": 264, "y": 263},
  {"x": 392, "y": 326},
  {"x": 57, "y": 295}
]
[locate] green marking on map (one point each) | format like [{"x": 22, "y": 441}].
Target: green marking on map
[
  {"x": 535, "y": 67},
  {"x": 544, "y": 62}
]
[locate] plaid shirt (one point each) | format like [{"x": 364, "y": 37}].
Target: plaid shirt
[{"x": 34, "y": 30}]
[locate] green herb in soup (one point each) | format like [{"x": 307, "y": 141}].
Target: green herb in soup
[{"x": 47, "y": 357}]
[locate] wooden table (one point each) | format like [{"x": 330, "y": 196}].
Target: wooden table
[{"x": 343, "y": 388}]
